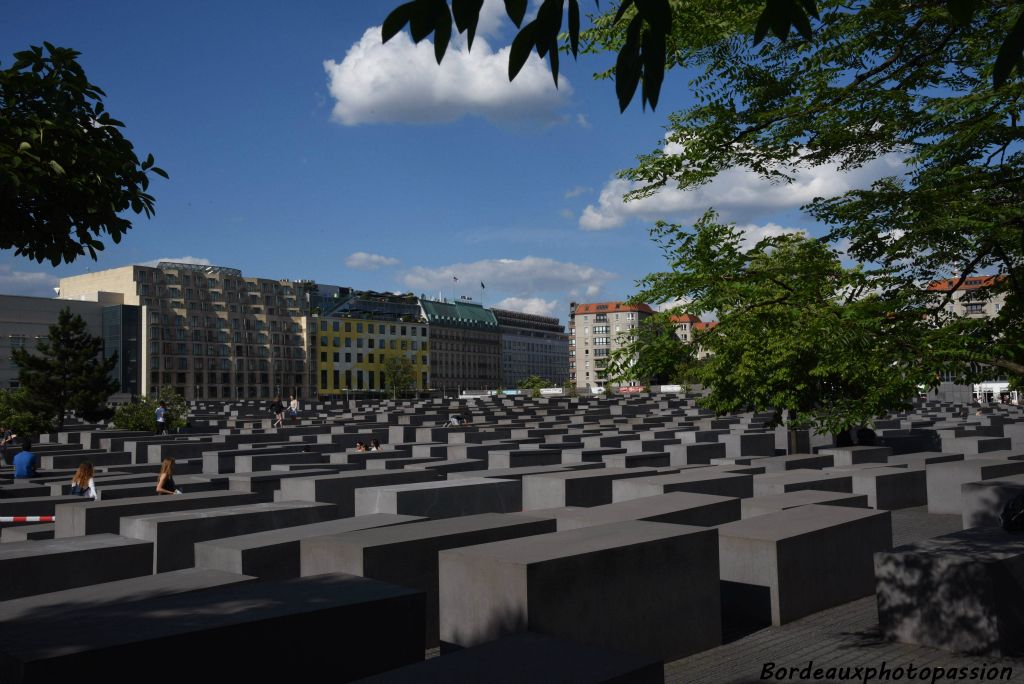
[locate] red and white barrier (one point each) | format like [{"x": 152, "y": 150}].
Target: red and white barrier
[{"x": 27, "y": 518}]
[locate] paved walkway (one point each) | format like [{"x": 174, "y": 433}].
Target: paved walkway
[{"x": 842, "y": 637}]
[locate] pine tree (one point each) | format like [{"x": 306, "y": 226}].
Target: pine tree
[{"x": 68, "y": 373}]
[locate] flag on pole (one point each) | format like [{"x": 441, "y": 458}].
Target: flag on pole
[
  {"x": 482, "y": 285},
  {"x": 455, "y": 278}
]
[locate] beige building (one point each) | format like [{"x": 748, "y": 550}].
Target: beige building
[
  {"x": 209, "y": 331},
  {"x": 595, "y": 331}
]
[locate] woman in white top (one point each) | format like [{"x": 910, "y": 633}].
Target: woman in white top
[
  {"x": 293, "y": 408},
  {"x": 82, "y": 483}
]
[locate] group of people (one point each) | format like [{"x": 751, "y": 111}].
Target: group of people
[
  {"x": 374, "y": 446},
  {"x": 278, "y": 409}
]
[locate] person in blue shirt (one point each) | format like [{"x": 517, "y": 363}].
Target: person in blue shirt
[
  {"x": 25, "y": 462},
  {"x": 161, "y": 419}
]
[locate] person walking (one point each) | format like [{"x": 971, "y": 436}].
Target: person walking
[
  {"x": 161, "y": 418},
  {"x": 293, "y": 409},
  {"x": 277, "y": 408},
  {"x": 82, "y": 483},
  {"x": 7, "y": 438},
  {"x": 26, "y": 464},
  {"x": 165, "y": 483}
]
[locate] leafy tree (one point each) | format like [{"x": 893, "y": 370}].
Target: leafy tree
[
  {"x": 535, "y": 383},
  {"x": 67, "y": 175},
  {"x": 665, "y": 357},
  {"x": 140, "y": 413},
  {"x": 15, "y": 415},
  {"x": 68, "y": 374},
  {"x": 799, "y": 334},
  {"x": 570, "y": 388},
  {"x": 399, "y": 374},
  {"x": 910, "y": 81},
  {"x": 644, "y": 32}
]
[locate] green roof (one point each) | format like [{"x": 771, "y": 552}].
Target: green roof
[{"x": 458, "y": 314}]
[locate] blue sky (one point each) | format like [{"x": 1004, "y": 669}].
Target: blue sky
[{"x": 298, "y": 146}]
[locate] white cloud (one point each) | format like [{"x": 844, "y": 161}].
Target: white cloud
[
  {"x": 200, "y": 261},
  {"x": 736, "y": 194},
  {"x": 576, "y": 191},
  {"x": 401, "y": 82},
  {"x": 752, "y": 234},
  {"x": 525, "y": 278},
  {"x": 26, "y": 283},
  {"x": 530, "y": 305},
  {"x": 368, "y": 262},
  {"x": 582, "y": 120}
]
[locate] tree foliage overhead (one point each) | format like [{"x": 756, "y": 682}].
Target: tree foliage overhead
[
  {"x": 67, "y": 174},
  {"x": 800, "y": 334},
  {"x": 880, "y": 78},
  {"x": 644, "y": 30},
  {"x": 69, "y": 373}
]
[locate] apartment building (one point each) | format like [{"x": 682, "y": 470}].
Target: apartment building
[
  {"x": 465, "y": 345},
  {"x": 357, "y": 331},
  {"x": 972, "y": 299},
  {"x": 595, "y": 331},
  {"x": 532, "y": 345},
  {"x": 209, "y": 331}
]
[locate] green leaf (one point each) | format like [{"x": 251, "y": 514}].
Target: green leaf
[
  {"x": 962, "y": 10},
  {"x": 626, "y": 4},
  {"x": 1010, "y": 53},
  {"x": 57, "y": 167},
  {"x": 396, "y": 20},
  {"x": 553, "y": 58},
  {"x": 780, "y": 18},
  {"x": 467, "y": 15},
  {"x": 520, "y": 49},
  {"x": 516, "y": 10},
  {"x": 24, "y": 146},
  {"x": 442, "y": 30},
  {"x": 628, "y": 65},
  {"x": 763, "y": 24},
  {"x": 424, "y": 19},
  {"x": 654, "y": 66},
  {"x": 574, "y": 26}
]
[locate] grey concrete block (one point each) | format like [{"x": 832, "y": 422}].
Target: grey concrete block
[
  {"x": 642, "y": 587},
  {"x": 773, "y": 503},
  {"x": 275, "y": 554},
  {"x": 38, "y": 567},
  {"x": 529, "y": 657},
  {"x": 175, "y": 534},
  {"x": 695, "y": 453},
  {"x": 962, "y": 592},
  {"x": 340, "y": 489},
  {"x": 794, "y": 480},
  {"x": 983, "y": 501},
  {"x": 892, "y": 488},
  {"x": 778, "y": 567},
  {"x": 855, "y": 455},
  {"x": 780, "y": 464},
  {"x": 407, "y": 554},
  {"x": 944, "y": 480},
  {"x": 97, "y": 517},
  {"x": 576, "y": 488},
  {"x": 112, "y": 593},
  {"x": 443, "y": 498},
  {"x": 330, "y": 624},
  {"x": 695, "y": 480},
  {"x": 679, "y": 508}
]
